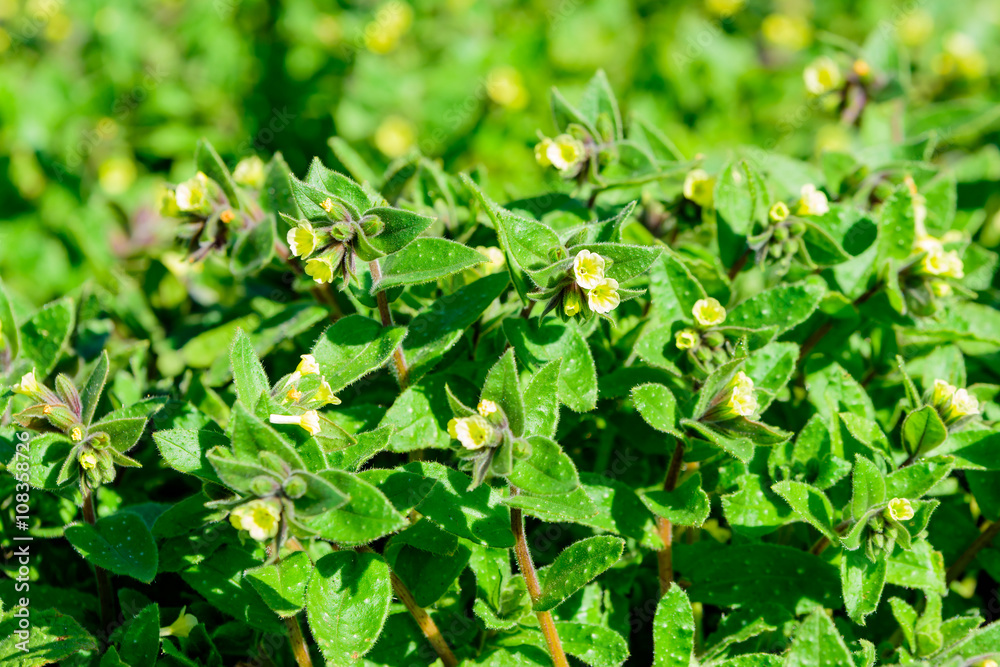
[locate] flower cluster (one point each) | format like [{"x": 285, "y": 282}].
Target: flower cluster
[
  {"x": 63, "y": 410},
  {"x": 477, "y": 431},
  {"x": 601, "y": 292},
  {"x": 955, "y": 406},
  {"x": 304, "y": 390},
  {"x": 331, "y": 249}
]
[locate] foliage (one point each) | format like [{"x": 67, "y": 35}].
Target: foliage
[{"x": 733, "y": 410}]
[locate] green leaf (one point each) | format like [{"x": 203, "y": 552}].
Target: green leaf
[
  {"x": 818, "y": 644},
  {"x": 784, "y": 306},
  {"x": 923, "y": 430},
  {"x": 440, "y": 326},
  {"x": 541, "y": 401},
  {"x": 896, "y": 226},
  {"x": 810, "y": 504},
  {"x": 503, "y": 388},
  {"x": 365, "y": 517},
  {"x": 427, "y": 576},
  {"x": 401, "y": 228},
  {"x": 44, "y": 336},
  {"x": 220, "y": 580},
  {"x": 754, "y": 510},
  {"x": 741, "y": 448},
  {"x": 124, "y": 433},
  {"x": 423, "y": 261},
  {"x": 251, "y": 437},
  {"x": 598, "y": 102},
  {"x": 476, "y": 514},
  {"x": 186, "y": 450},
  {"x": 595, "y": 645},
  {"x": 8, "y": 325},
  {"x": 539, "y": 342},
  {"x": 673, "y": 630},
  {"x": 347, "y": 604},
  {"x": 529, "y": 243},
  {"x": 120, "y": 543},
  {"x": 354, "y": 347},
  {"x": 918, "y": 478},
  {"x": 575, "y": 566},
  {"x": 658, "y": 407},
  {"x": 575, "y": 507},
  {"x": 208, "y": 161},
  {"x": 419, "y": 416},
  {"x": 547, "y": 471},
  {"x": 277, "y": 195},
  {"x": 687, "y": 505},
  {"x": 248, "y": 373},
  {"x": 53, "y": 637},
  {"x": 734, "y": 197},
  {"x": 91, "y": 394},
  {"x": 323, "y": 178},
  {"x": 254, "y": 248},
  {"x": 862, "y": 581},
  {"x": 282, "y": 585},
  {"x": 626, "y": 261},
  {"x": 770, "y": 368},
  {"x": 868, "y": 487},
  {"x": 730, "y": 575},
  {"x": 919, "y": 567},
  {"x": 141, "y": 644}
]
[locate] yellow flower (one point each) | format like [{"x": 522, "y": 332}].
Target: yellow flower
[
  {"x": 604, "y": 297},
  {"x": 88, "y": 460},
  {"x": 900, "y": 509},
  {"x": 308, "y": 420},
  {"x": 392, "y": 21},
  {"x": 249, "y": 172},
  {"x": 790, "y": 32},
  {"x": 542, "y": 152},
  {"x": 486, "y": 407},
  {"x": 779, "y": 212},
  {"x": 686, "y": 339},
  {"x": 724, "y": 8},
  {"x": 193, "y": 195},
  {"x": 743, "y": 400},
  {"x": 699, "y": 187},
  {"x": 942, "y": 264},
  {"x": 822, "y": 76},
  {"x": 916, "y": 27},
  {"x": 564, "y": 152},
  {"x": 963, "y": 404},
  {"x": 28, "y": 386},
  {"x": 395, "y": 136},
  {"x": 293, "y": 395},
  {"x": 572, "y": 303},
  {"x": 301, "y": 239},
  {"x": 588, "y": 269},
  {"x": 812, "y": 201},
  {"x": 942, "y": 393},
  {"x": 260, "y": 517},
  {"x": 325, "y": 394},
  {"x": 307, "y": 366},
  {"x": 76, "y": 435},
  {"x": 961, "y": 53},
  {"x": 505, "y": 86},
  {"x": 182, "y": 627},
  {"x": 941, "y": 288},
  {"x": 473, "y": 432},
  {"x": 708, "y": 312},
  {"x": 320, "y": 269}
]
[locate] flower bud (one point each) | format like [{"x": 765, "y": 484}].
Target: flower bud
[
  {"x": 780, "y": 233},
  {"x": 572, "y": 303},
  {"x": 371, "y": 225},
  {"x": 686, "y": 339},
  {"x": 295, "y": 487},
  {"x": 195, "y": 195},
  {"x": 262, "y": 485}
]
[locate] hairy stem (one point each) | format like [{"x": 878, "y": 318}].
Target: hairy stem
[
  {"x": 958, "y": 568},
  {"x": 427, "y": 625},
  {"x": 665, "y": 556},
  {"x": 738, "y": 265},
  {"x": 105, "y": 590},
  {"x": 402, "y": 370},
  {"x": 298, "y": 642},
  {"x": 527, "y": 567},
  {"x": 823, "y": 542}
]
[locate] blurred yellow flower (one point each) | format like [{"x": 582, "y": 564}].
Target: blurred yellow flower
[
  {"x": 961, "y": 58},
  {"x": 392, "y": 21},
  {"x": 724, "y": 8},
  {"x": 307, "y": 366},
  {"x": 116, "y": 175},
  {"x": 486, "y": 407},
  {"x": 790, "y": 32},
  {"x": 395, "y": 136},
  {"x": 505, "y": 86},
  {"x": 88, "y": 460},
  {"x": 779, "y": 212},
  {"x": 916, "y": 27},
  {"x": 250, "y": 172},
  {"x": 328, "y": 30},
  {"x": 812, "y": 201},
  {"x": 699, "y": 187},
  {"x": 822, "y": 76},
  {"x": 564, "y": 153},
  {"x": 686, "y": 339}
]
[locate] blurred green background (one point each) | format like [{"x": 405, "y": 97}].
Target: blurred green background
[{"x": 101, "y": 102}]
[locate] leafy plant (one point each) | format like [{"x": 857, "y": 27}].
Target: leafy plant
[{"x": 739, "y": 411}]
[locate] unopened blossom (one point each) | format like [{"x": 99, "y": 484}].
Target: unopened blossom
[
  {"x": 743, "y": 399},
  {"x": 249, "y": 172}
]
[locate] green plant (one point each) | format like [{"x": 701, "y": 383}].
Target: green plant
[{"x": 739, "y": 411}]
